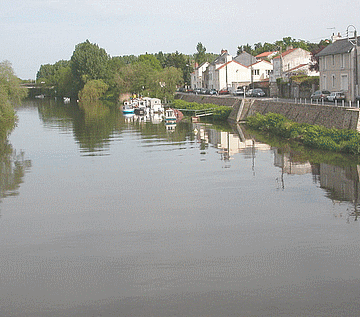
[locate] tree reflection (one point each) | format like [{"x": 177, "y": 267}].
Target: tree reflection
[{"x": 12, "y": 169}]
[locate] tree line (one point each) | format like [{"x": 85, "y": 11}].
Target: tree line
[{"x": 92, "y": 73}]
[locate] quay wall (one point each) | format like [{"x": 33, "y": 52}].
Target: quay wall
[{"x": 326, "y": 115}]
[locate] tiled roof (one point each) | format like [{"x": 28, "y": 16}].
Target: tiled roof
[
  {"x": 285, "y": 53},
  {"x": 338, "y": 47},
  {"x": 265, "y": 54},
  {"x": 233, "y": 61}
]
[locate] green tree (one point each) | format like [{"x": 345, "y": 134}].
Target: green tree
[
  {"x": 200, "y": 55},
  {"x": 88, "y": 62},
  {"x": 11, "y": 93},
  {"x": 93, "y": 90}
]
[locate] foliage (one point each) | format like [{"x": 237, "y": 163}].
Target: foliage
[
  {"x": 200, "y": 55},
  {"x": 93, "y": 90},
  {"x": 219, "y": 112},
  {"x": 339, "y": 140},
  {"x": 11, "y": 94},
  {"x": 281, "y": 45},
  {"x": 88, "y": 62}
]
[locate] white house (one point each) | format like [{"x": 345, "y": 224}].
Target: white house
[
  {"x": 197, "y": 76},
  {"x": 231, "y": 75},
  {"x": 261, "y": 70},
  {"x": 289, "y": 60},
  {"x": 211, "y": 78}
]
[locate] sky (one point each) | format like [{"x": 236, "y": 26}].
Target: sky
[{"x": 38, "y": 32}]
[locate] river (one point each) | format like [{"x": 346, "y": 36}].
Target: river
[{"x": 102, "y": 215}]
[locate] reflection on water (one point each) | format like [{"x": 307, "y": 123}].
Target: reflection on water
[
  {"x": 125, "y": 217},
  {"x": 13, "y": 167}
]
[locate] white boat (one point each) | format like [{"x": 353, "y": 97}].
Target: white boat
[
  {"x": 170, "y": 115},
  {"x": 127, "y": 107},
  {"x": 66, "y": 99}
]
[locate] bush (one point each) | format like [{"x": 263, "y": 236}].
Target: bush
[
  {"x": 219, "y": 112},
  {"x": 339, "y": 140}
]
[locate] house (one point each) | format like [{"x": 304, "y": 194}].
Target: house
[
  {"x": 197, "y": 76},
  {"x": 228, "y": 72},
  {"x": 232, "y": 74},
  {"x": 260, "y": 71},
  {"x": 339, "y": 67},
  {"x": 211, "y": 77},
  {"x": 286, "y": 63}
]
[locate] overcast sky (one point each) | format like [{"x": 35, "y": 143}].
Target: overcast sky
[{"x": 36, "y": 32}]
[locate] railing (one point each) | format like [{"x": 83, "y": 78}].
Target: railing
[
  {"x": 337, "y": 103},
  {"x": 198, "y": 113}
]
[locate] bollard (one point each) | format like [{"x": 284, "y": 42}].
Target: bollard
[{"x": 335, "y": 102}]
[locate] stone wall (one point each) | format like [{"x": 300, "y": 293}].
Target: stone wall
[{"x": 328, "y": 116}]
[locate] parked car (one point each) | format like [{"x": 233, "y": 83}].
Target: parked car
[
  {"x": 257, "y": 92},
  {"x": 320, "y": 94},
  {"x": 224, "y": 91},
  {"x": 213, "y": 92},
  {"x": 197, "y": 90},
  {"x": 336, "y": 95},
  {"x": 238, "y": 91}
]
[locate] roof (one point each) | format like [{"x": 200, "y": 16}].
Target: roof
[
  {"x": 233, "y": 61},
  {"x": 286, "y": 53},
  {"x": 262, "y": 61},
  {"x": 338, "y": 47},
  {"x": 296, "y": 67},
  {"x": 265, "y": 54}
]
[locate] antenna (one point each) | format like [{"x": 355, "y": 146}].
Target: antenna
[{"x": 351, "y": 34}]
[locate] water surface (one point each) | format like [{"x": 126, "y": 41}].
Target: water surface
[{"x": 105, "y": 216}]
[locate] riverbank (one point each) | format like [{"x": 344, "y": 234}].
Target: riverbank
[{"x": 329, "y": 116}]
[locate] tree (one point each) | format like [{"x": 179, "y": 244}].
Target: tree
[
  {"x": 88, "y": 62},
  {"x": 200, "y": 56},
  {"x": 93, "y": 90},
  {"x": 10, "y": 93}
]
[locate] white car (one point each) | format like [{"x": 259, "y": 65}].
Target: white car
[{"x": 336, "y": 95}]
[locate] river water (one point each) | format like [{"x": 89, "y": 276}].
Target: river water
[{"x": 102, "y": 215}]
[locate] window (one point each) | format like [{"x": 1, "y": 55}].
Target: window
[
  {"x": 256, "y": 72},
  {"x": 324, "y": 62},
  {"x": 333, "y": 81},
  {"x": 324, "y": 83},
  {"x": 344, "y": 82},
  {"x": 342, "y": 61},
  {"x": 333, "y": 59}
]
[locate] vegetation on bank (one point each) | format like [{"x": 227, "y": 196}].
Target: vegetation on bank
[
  {"x": 315, "y": 136},
  {"x": 11, "y": 93},
  {"x": 219, "y": 112}
]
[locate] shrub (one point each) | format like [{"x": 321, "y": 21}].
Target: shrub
[{"x": 315, "y": 136}]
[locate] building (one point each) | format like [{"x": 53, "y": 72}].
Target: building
[
  {"x": 197, "y": 76},
  {"x": 339, "y": 67},
  {"x": 287, "y": 62}
]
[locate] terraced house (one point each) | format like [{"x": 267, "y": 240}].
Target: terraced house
[{"x": 339, "y": 67}]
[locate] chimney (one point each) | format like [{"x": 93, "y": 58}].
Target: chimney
[
  {"x": 334, "y": 37},
  {"x": 223, "y": 52}
]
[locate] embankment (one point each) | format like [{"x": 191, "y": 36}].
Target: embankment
[{"x": 325, "y": 115}]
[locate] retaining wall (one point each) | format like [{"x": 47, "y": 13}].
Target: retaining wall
[{"x": 325, "y": 115}]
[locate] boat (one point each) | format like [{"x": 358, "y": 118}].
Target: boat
[
  {"x": 128, "y": 107},
  {"x": 170, "y": 116},
  {"x": 173, "y": 115},
  {"x": 66, "y": 99}
]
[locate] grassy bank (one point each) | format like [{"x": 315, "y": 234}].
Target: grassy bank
[
  {"x": 338, "y": 140},
  {"x": 219, "y": 112}
]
